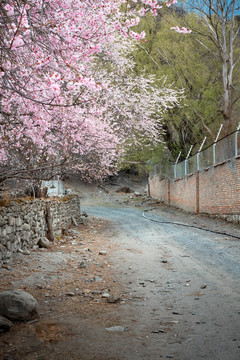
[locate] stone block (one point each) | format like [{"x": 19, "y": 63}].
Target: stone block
[
  {"x": 26, "y": 226},
  {"x": 11, "y": 221},
  {"x": 18, "y": 222},
  {"x": 9, "y": 230},
  {"x": 4, "y": 233}
]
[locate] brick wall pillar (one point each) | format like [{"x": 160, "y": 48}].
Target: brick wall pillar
[
  {"x": 169, "y": 192},
  {"x": 197, "y": 193}
]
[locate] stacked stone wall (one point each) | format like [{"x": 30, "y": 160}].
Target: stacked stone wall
[{"x": 23, "y": 222}]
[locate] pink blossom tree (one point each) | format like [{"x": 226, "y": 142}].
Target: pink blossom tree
[{"x": 69, "y": 98}]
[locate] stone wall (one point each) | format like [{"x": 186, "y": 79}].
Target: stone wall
[{"x": 23, "y": 222}]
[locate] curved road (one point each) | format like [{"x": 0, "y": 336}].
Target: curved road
[{"x": 182, "y": 288}]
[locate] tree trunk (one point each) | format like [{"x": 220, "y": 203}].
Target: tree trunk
[
  {"x": 227, "y": 68},
  {"x": 50, "y": 232}
]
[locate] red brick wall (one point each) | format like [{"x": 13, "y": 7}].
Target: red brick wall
[
  {"x": 159, "y": 188},
  {"x": 215, "y": 190},
  {"x": 183, "y": 193},
  {"x": 219, "y": 188}
]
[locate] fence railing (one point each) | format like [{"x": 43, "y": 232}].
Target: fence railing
[{"x": 220, "y": 151}]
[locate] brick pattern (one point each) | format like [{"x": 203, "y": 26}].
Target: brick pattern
[
  {"x": 216, "y": 190},
  {"x": 159, "y": 188},
  {"x": 219, "y": 188},
  {"x": 183, "y": 193}
]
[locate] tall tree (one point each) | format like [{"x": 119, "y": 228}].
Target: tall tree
[
  {"x": 220, "y": 24},
  {"x": 188, "y": 66}
]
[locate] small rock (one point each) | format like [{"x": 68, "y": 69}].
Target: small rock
[
  {"x": 74, "y": 221},
  {"x": 170, "y": 356},
  {"x": 203, "y": 286},
  {"x": 105, "y": 295},
  {"x": 97, "y": 278},
  {"x": 124, "y": 189},
  {"x": 6, "y": 266},
  {"x": 86, "y": 291},
  {"x": 68, "y": 191},
  {"x": 26, "y": 252},
  {"x": 39, "y": 286},
  {"x": 164, "y": 261},
  {"x": 70, "y": 293},
  {"x": 113, "y": 299},
  {"x": 115, "y": 329},
  {"x": 44, "y": 243},
  {"x": 158, "y": 331},
  {"x": 102, "y": 252},
  {"x": 83, "y": 265},
  {"x": 5, "y": 324},
  {"x": 136, "y": 193}
]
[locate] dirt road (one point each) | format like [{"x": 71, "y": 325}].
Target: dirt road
[
  {"x": 174, "y": 290},
  {"x": 186, "y": 281}
]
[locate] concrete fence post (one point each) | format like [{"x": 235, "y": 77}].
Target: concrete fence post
[{"x": 236, "y": 140}]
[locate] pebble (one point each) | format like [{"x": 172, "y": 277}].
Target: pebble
[
  {"x": 86, "y": 291},
  {"x": 158, "y": 331},
  {"x": 164, "y": 261},
  {"x": 102, "y": 252},
  {"x": 6, "y": 266},
  {"x": 26, "y": 252},
  {"x": 83, "y": 265},
  {"x": 97, "y": 278},
  {"x": 203, "y": 286},
  {"x": 115, "y": 328},
  {"x": 114, "y": 299},
  {"x": 105, "y": 295},
  {"x": 70, "y": 293}
]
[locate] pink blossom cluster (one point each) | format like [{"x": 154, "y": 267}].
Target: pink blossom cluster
[
  {"x": 68, "y": 95},
  {"x": 183, "y": 30},
  {"x": 173, "y": 2}
]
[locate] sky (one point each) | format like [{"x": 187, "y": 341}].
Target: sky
[{"x": 187, "y": 4}]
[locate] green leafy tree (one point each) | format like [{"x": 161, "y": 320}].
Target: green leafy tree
[
  {"x": 189, "y": 66},
  {"x": 219, "y": 34}
]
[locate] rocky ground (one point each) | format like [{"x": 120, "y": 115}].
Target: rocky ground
[{"x": 119, "y": 286}]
